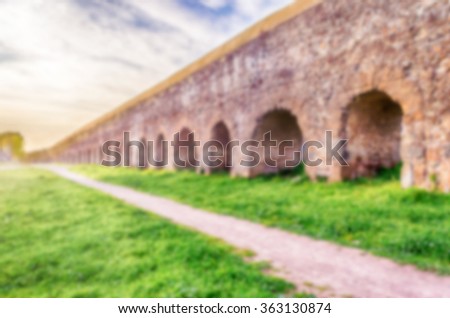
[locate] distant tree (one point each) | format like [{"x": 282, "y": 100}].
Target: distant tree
[{"x": 11, "y": 144}]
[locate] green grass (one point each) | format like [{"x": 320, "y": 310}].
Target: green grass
[
  {"x": 409, "y": 226},
  {"x": 59, "y": 239}
]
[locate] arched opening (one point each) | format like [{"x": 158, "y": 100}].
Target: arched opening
[
  {"x": 220, "y": 137},
  {"x": 143, "y": 157},
  {"x": 101, "y": 155},
  {"x": 159, "y": 155},
  {"x": 286, "y": 136},
  {"x": 88, "y": 156},
  {"x": 184, "y": 150},
  {"x": 94, "y": 156},
  {"x": 373, "y": 128}
]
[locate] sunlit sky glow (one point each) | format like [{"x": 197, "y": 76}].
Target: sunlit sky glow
[{"x": 64, "y": 63}]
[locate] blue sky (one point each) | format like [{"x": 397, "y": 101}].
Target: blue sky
[{"x": 64, "y": 63}]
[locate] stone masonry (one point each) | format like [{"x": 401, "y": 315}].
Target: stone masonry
[{"x": 374, "y": 71}]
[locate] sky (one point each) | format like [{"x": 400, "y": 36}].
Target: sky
[{"x": 64, "y": 63}]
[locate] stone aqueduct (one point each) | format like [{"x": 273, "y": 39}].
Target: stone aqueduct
[{"x": 373, "y": 71}]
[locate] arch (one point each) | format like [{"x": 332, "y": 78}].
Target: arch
[
  {"x": 143, "y": 157},
  {"x": 101, "y": 155},
  {"x": 184, "y": 149},
  {"x": 122, "y": 154},
  {"x": 93, "y": 154},
  {"x": 283, "y": 127},
  {"x": 87, "y": 156},
  {"x": 220, "y": 136},
  {"x": 97, "y": 155},
  {"x": 373, "y": 127},
  {"x": 158, "y": 158}
]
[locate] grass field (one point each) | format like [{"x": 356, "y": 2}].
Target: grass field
[
  {"x": 410, "y": 226},
  {"x": 58, "y": 239}
]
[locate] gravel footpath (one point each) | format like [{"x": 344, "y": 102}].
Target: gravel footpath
[{"x": 319, "y": 267}]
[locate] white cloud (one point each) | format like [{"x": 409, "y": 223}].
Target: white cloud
[
  {"x": 214, "y": 4},
  {"x": 64, "y": 63}
]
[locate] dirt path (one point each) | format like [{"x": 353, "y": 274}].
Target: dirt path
[{"x": 323, "y": 268}]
